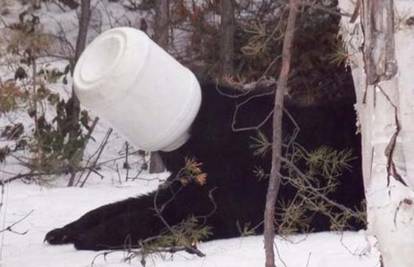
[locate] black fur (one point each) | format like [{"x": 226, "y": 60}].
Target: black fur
[{"x": 229, "y": 162}]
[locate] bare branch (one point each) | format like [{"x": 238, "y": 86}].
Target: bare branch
[
  {"x": 274, "y": 180},
  {"x": 10, "y": 227}
]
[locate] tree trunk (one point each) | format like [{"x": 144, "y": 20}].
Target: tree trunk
[
  {"x": 156, "y": 163},
  {"x": 161, "y": 28},
  {"x": 274, "y": 179},
  {"x": 385, "y": 108},
  {"x": 227, "y": 28},
  {"x": 162, "y": 20},
  {"x": 85, "y": 13}
]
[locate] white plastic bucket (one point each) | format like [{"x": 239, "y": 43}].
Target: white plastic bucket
[{"x": 139, "y": 88}]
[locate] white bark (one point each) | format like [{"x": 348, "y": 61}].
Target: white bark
[{"x": 382, "y": 109}]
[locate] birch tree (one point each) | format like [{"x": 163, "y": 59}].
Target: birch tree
[{"x": 379, "y": 38}]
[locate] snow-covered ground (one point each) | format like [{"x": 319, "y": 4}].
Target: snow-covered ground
[{"x": 55, "y": 206}]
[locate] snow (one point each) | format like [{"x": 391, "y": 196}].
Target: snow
[{"x": 55, "y": 206}]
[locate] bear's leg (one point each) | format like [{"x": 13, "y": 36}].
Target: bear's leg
[
  {"x": 136, "y": 224},
  {"x": 69, "y": 232},
  {"x": 122, "y": 231},
  {"x": 111, "y": 226}
]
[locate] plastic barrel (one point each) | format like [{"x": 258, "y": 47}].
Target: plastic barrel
[{"x": 148, "y": 96}]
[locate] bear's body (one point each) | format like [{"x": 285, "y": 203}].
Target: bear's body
[{"x": 233, "y": 194}]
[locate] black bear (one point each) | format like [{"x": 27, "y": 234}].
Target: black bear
[{"x": 232, "y": 195}]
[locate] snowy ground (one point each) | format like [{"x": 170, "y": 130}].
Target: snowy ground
[{"x": 52, "y": 207}]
